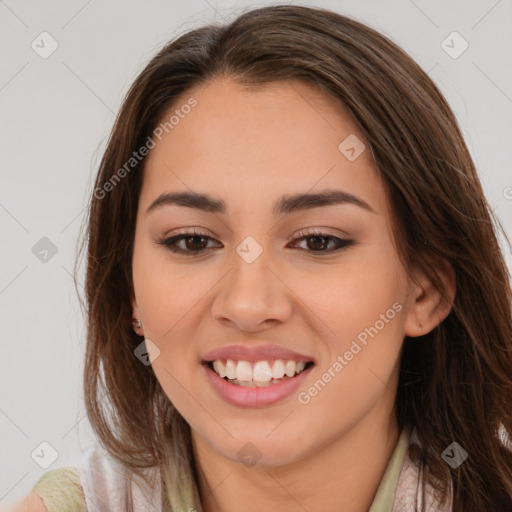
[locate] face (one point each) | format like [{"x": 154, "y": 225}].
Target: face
[{"x": 311, "y": 288}]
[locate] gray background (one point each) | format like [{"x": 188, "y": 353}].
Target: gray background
[{"x": 56, "y": 115}]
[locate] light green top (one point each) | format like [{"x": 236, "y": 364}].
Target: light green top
[
  {"x": 385, "y": 495},
  {"x": 61, "y": 491}
]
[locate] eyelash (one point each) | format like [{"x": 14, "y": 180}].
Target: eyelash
[{"x": 170, "y": 242}]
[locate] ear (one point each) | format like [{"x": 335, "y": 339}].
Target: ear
[
  {"x": 427, "y": 306},
  {"x": 136, "y": 314}
]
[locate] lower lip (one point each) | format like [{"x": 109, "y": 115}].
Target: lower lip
[{"x": 242, "y": 396}]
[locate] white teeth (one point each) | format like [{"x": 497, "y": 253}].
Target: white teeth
[
  {"x": 230, "y": 369},
  {"x": 244, "y": 373},
  {"x": 221, "y": 370},
  {"x": 290, "y": 368},
  {"x": 278, "y": 369},
  {"x": 262, "y": 372}
]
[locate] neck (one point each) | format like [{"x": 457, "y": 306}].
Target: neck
[{"x": 346, "y": 472}]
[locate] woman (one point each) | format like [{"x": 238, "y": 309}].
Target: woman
[{"x": 296, "y": 297}]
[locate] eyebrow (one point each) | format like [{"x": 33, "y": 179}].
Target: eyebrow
[{"x": 286, "y": 204}]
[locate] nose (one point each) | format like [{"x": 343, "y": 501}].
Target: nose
[{"x": 253, "y": 296}]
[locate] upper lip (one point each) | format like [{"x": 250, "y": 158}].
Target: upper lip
[{"x": 255, "y": 353}]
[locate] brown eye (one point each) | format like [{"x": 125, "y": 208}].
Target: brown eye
[
  {"x": 196, "y": 242},
  {"x": 193, "y": 243},
  {"x": 319, "y": 242}
]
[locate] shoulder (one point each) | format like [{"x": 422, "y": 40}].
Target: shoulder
[
  {"x": 60, "y": 489},
  {"x": 97, "y": 478},
  {"x": 55, "y": 491},
  {"x": 31, "y": 503}
]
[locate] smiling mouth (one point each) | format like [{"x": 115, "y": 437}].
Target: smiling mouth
[{"x": 257, "y": 374}]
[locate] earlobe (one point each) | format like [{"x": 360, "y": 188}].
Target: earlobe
[{"x": 429, "y": 306}]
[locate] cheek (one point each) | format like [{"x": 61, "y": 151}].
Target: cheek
[
  {"x": 350, "y": 297},
  {"x": 362, "y": 305},
  {"x": 166, "y": 292},
  {"x": 168, "y": 300},
  {"x": 362, "y": 359}
]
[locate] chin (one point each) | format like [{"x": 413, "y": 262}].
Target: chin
[{"x": 261, "y": 452}]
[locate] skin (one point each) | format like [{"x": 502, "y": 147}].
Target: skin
[
  {"x": 248, "y": 147},
  {"x": 30, "y": 503}
]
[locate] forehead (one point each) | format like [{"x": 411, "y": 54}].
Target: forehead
[{"x": 254, "y": 144}]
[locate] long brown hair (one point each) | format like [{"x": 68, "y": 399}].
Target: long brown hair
[{"x": 455, "y": 382}]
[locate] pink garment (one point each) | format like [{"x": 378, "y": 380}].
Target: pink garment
[
  {"x": 103, "y": 483},
  {"x": 408, "y": 496}
]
